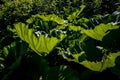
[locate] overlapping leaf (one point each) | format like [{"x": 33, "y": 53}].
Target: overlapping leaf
[
  {"x": 107, "y": 62},
  {"x": 38, "y": 44},
  {"x": 51, "y": 17},
  {"x": 100, "y": 31}
]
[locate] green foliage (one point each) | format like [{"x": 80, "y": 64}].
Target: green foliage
[
  {"x": 75, "y": 14},
  {"x": 107, "y": 62},
  {"x": 59, "y": 40},
  {"x": 51, "y": 17},
  {"x": 12, "y": 61},
  {"x": 100, "y": 31},
  {"x": 40, "y": 44}
]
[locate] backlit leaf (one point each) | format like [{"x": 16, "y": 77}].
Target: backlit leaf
[
  {"x": 107, "y": 62},
  {"x": 38, "y": 44},
  {"x": 51, "y": 17},
  {"x": 99, "y": 31}
]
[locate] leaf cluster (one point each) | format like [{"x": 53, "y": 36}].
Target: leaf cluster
[{"x": 76, "y": 42}]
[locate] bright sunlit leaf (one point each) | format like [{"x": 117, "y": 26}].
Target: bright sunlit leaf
[
  {"x": 38, "y": 44},
  {"x": 107, "y": 62},
  {"x": 99, "y": 31}
]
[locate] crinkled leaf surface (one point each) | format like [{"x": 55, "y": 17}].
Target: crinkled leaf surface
[
  {"x": 107, "y": 62},
  {"x": 99, "y": 31},
  {"x": 38, "y": 44},
  {"x": 51, "y": 17}
]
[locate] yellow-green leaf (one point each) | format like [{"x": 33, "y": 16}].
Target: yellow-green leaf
[
  {"x": 99, "y": 31},
  {"x": 107, "y": 62},
  {"x": 38, "y": 44}
]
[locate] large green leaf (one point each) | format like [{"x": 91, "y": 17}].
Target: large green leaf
[
  {"x": 107, "y": 62},
  {"x": 100, "y": 31},
  {"x": 38, "y": 44},
  {"x": 51, "y": 17}
]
